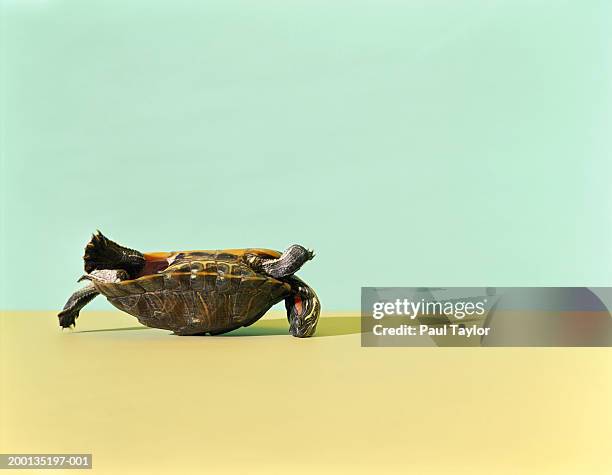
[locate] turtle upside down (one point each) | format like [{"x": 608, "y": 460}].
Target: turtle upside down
[{"x": 196, "y": 292}]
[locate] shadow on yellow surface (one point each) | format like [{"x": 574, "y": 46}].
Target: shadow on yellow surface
[
  {"x": 328, "y": 326},
  {"x": 146, "y": 402}
]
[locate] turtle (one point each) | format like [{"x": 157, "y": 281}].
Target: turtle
[{"x": 196, "y": 292}]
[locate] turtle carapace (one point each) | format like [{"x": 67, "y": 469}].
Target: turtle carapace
[{"x": 197, "y": 292}]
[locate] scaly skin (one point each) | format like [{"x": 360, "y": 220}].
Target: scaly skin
[
  {"x": 286, "y": 265},
  {"x": 102, "y": 253},
  {"x": 67, "y": 317}
]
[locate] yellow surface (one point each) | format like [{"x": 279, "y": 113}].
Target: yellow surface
[{"x": 144, "y": 401}]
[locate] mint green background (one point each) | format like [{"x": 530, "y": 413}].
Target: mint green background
[{"x": 409, "y": 143}]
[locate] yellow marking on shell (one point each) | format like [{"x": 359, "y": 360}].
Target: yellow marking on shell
[
  {"x": 125, "y": 283},
  {"x": 234, "y": 252},
  {"x": 144, "y": 277},
  {"x": 205, "y": 308},
  {"x": 157, "y": 255}
]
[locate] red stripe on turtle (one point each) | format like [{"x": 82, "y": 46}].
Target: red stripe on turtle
[{"x": 297, "y": 304}]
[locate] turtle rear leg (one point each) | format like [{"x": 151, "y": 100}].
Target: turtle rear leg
[
  {"x": 286, "y": 265},
  {"x": 303, "y": 308},
  {"x": 67, "y": 317},
  {"x": 102, "y": 253}
]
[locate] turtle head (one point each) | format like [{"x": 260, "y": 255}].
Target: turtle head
[{"x": 303, "y": 309}]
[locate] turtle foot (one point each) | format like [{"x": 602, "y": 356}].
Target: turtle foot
[
  {"x": 67, "y": 318},
  {"x": 102, "y": 253},
  {"x": 288, "y": 263}
]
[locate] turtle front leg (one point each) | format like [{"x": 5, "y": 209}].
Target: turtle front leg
[
  {"x": 286, "y": 265},
  {"x": 303, "y": 308},
  {"x": 67, "y": 317}
]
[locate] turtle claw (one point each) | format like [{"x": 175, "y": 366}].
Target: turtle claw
[
  {"x": 67, "y": 318},
  {"x": 102, "y": 253},
  {"x": 288, "y": 263},
  {"x": 96, "y": 252}
]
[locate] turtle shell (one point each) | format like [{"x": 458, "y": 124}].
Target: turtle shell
[{"x": 198, "y": 292}]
